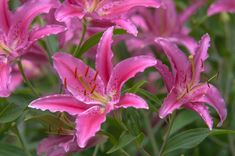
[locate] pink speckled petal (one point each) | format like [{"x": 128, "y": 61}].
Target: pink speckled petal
[
  {"x": 200, "y": 56},
  {"x": 78, "y": 77},
  {"x": 215, "y": 100},
  {"x": 132, "y": 100},
  {"x": 125, "y": 70},
  {"x": 104, "y": 55},
  {"x": 202, "y": 111},
  {"x": 48, "y": 30},
  {"x": 59, "y": 103},
  {"x": 126, "y": 25},
  {"x": 4, "y": 16},
  {"x": 166, "y": 74},
  {"x": 67, "y": 11},
  {"x": 178, "y": 60},
  {"x": 88, "y": 123}
]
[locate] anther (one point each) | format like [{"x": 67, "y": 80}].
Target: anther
[
  {"x": 202, "y": 63},
  {"x": 85, "y": 92},
  {"x": 96, "y": 74},
  {"x": 76, "y": 72},
  {"x": 208, "y": 85},
  {"x": 65, "y": 83},
  {"x": 93, "y": 88},
  {"x": 87, "y": 70}
]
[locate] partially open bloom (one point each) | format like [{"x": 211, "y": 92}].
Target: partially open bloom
[
  {"x": 94, "y": 93},
  {"x": 15, "y": 36},
  {"x": 107, "y": 11},
  {"x": 222, "y": 6},
  {"x": 183, "y": 83},
  {"x": 165, "y": 22}
]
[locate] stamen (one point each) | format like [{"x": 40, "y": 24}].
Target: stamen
[
  {"x": 65, "y": 83},
  {"x": 87, "y": 70},
  {"x": 202, "y": 63},
  {"x": 93, "y": 88},
  {"x": 208, "y": 85},
  {"x": 96, "y": 74},
  {"x": 187, "y": 89},
  {"x": 85, "y": 92},
  {"x": 76, "y": 72}
]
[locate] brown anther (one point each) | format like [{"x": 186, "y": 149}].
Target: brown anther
[
  {"x": 76, "y": 72},
  {"x": 93, "y": 88},
  {"x": 87, "y": 70},
  {"x": 65, "y": 83},
  {"x": 187, "y": 89},
  {"x": 208, "y": 85},
  {"x": 85, "y": 92},
  {"x": 202, "y": 64},
  {"x": 96, "y": 74}
]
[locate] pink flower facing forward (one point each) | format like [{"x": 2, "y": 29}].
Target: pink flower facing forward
[
  {"x": 94, "y": 93},
  {"x": 166, "y": 22},
  {"x": 16, "y": 38},
  {"x": 107, "y": 11},
  {"x": 221, "y": 6},
  {"x": 184, "y": 86}
]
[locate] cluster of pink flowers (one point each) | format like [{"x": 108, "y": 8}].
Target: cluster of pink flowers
[{"x": 91, "y": 94}]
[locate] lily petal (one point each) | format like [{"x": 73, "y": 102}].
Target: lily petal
[
  {"x": 200, "y": 56},
  {"x": 67, "y": 11},
  {"x": 203, "y": 111},
  {"x": 125, "y": 70},
  {"x": 191, "y": 10},
  {"x": 4, "y": 16},
  {"x": 5, "y": 78},
  {"x": 132, "y": 100},
  {"x": 215, "y": 100},
  {"x": 179, "y": 62},
  {"x": 104, "y": 55},
  {"x": 176, "y": 100},
  {"x": 25, "y": 14},
  {"x": 78, "y": 77},
  {"x": 126, "y": 25},
  {"x": 88, "y": 123},
  {"x": 120, "y": 7},
  {"x": 59, "y": 103},
  {"x": 42, "y": 32},
  {"x": 221, "y": 6},
  {"x": 166, "y": 74}
]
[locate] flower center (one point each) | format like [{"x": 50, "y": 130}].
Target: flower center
[
  {"x": 91, "y": 7},
  {"x": 5, "y": 49}
]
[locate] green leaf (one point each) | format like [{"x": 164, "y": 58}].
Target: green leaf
[
  {"x": 124, "y": 140},
  {"x": 135, "y": 87},
  {"x": 183, "y": 119},
  {"x": 9, "y": 150},
  {"x": 14, "y": 106},
  {"x": 191, "y": 138},
  {"x": 94, "y": 39}
]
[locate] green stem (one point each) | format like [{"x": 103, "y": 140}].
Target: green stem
[
  {"x": 77, "y": 49},
  {"x": 167, "y": 135},
  {"x": 124, "y": 152},
  {"x": 22, "y": 141},
  {"x": 26, "y": 80},
  {"x": 151, "y": 134},
  {"x": 96, "y": 150}
]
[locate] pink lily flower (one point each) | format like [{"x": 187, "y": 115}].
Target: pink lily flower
[
  {"x": 64, "y": 145},
  {"x": 15, "y": 36},
  {"x": 94, "y": 93},
  {"x": 165, "y": 22},
  {"x": 107, "y": 11},
  {"x": 221, "y": 6},
  {"x": 183, "y": 83}
]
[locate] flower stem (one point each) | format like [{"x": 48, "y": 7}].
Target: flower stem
[
  {"x": 77, "y": 49},
  {"x": 166, "y": 137},
  {"x": 21, "y": 141},
  {"x": 26, "y": 80},
  {"x": 96, "y": 150},
  {"x": 151, "y": 134}
]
